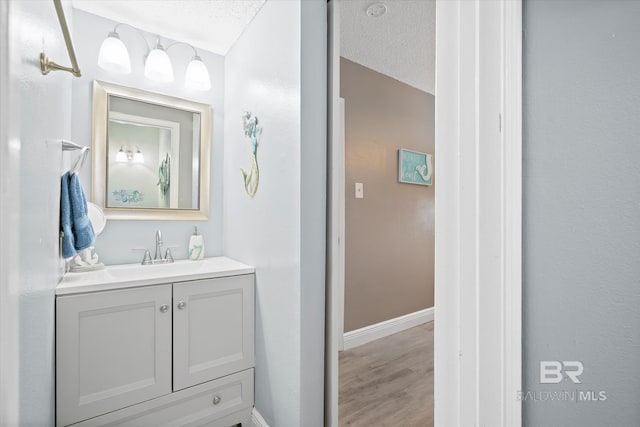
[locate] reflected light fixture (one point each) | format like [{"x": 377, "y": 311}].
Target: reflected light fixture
[
  {"x": 114, "y": 57},
  {"x": 122, "y": 157},
  {"x": 125, "y": 155},
  {"x": 138, "y": 157}
]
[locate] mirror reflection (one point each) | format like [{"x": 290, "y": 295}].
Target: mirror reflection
[{"x": 152, "y": 161}]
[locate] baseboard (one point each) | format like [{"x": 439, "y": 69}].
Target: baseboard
[
  {"x": 257, "y": 419},
  {"x": 388, "y": 327}
]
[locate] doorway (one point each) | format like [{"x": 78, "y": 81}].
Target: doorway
[
  {"x": 477, "y": 215},
  {"x": 387, "y": 185}
]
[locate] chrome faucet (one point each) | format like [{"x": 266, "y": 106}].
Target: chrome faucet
[
  {"x": 159, "y": 243},
  {"x": 158, "y": 258}
]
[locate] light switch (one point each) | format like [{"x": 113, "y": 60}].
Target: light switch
[{"x": 359, "y": 190}]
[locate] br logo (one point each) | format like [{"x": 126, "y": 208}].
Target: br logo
[{"x": 553, "y": 371}]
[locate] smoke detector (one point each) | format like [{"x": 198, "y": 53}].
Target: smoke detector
[{"x": 376, "y": 10}]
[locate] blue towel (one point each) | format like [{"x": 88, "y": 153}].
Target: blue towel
[{"x": 77, "y": 230}]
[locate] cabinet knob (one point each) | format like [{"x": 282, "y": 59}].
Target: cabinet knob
[
  {"x": 216, "y": 400},
  {"x": 181, "y": 305},
  {"x": 164, "y": 308}
]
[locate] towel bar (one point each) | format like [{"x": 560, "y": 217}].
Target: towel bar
[
  {"x": 70, "y": 146},
  {"x": 47, "y": 65}
]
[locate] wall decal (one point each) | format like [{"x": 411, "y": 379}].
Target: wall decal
[
  {"x": 128, "y": 196},
  {"x": 415, "y": 167},
  {"x": 252, "y": 131}
]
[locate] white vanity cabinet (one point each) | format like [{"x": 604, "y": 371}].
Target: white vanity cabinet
[{"x": 146, "y": 354}]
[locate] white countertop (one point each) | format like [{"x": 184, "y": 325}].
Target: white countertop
[{"x": 132, "y": 275}]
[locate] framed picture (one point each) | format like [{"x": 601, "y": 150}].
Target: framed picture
[{"x": 415, "y": 167}]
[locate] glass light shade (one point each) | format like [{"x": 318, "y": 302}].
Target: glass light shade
[
  {"x": 138, "y": 157},
  {"x": 197, "y": 75},
  {"x": 113, "y": 55},
  {"x": 158, "y": 66},
  {"x": 121, "y": 157}
]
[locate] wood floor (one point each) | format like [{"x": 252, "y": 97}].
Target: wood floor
[{"x": 389, "y": 382}]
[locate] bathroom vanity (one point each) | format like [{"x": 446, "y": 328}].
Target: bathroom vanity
[{"x": 156, "y": 345}]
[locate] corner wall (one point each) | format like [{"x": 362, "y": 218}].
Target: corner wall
[
  {"x": 119, "y": 237},
  {"x": 280, "y": 230},
  {"x": 41, "y": 117},
  {"x": 581, "y": 213},
  {"x": 389, "y": 234}
]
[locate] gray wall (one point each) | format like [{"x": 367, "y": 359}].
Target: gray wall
[
  {"x": 115, "y": 243},
  {"x": 389, "y": 240},
  {"x": 581, "y": 206}
]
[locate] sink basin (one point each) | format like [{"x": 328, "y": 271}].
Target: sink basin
[
  {"x": 131, "y": 275},
  {"x": 137, "y": 271}
]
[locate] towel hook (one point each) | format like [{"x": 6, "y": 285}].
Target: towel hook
[{"x": 81, "y": 158}]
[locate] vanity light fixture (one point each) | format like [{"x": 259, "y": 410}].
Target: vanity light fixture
[
  {"x": 114, "y": 57},
  {"x": 158, "y": 66},
  {"x": 197, "y": 75},
  {"x": 125, "y": 155}
]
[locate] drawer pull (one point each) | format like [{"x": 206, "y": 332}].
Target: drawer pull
[
  {"x": 164, "y": 308},
  {"x": 181, "y": 305},
  {"x": 217, "y": 400}
]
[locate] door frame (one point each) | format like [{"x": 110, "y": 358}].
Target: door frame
[
  {"x": 478, "y": 333},
  {"x": 478, "y": 348},
  {"x": 335, "y": 255}
]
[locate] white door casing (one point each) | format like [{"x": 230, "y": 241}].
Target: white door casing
[
  {"x": 335, "y": 258},
  {"x": 478, "y": 213}
]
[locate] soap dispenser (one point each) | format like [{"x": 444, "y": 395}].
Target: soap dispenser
[{"x": 196, "y": 246}]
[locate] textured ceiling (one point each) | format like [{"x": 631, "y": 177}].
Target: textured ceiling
[
  {"x": 401, "y": 43},
  {"x": 213, "y": 25}
]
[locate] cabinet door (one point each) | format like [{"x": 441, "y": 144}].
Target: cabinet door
[
  {"x": 113, "y": 349},
  {"x": 212, "y": 329}
]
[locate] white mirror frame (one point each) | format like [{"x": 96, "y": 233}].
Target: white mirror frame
[{"x": 101, "y": 93}]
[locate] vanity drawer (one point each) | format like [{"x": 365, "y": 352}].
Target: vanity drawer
[{"x": 194, "y": 406}]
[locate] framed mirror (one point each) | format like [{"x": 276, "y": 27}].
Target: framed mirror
[{"x": 150, "y": 155}]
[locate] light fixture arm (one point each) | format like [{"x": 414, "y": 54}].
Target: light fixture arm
[
  {"x": 146, "y": 43},
  {"x": 195, "y": 52}
]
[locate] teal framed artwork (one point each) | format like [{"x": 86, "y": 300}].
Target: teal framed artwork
[{"x": 415, "y": 167}]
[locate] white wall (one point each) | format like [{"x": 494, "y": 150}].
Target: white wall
[
  {"x": 30, "y": 189},
  {"x": 115, "y": 243},
  {"x": 275, "y": 231},
  {"x": 9, "y": 182}
]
